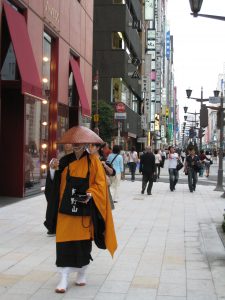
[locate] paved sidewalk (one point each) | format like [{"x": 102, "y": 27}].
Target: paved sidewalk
[{"x": 169, "y": 249}]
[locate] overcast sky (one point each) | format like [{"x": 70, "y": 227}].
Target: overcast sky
[{"x": 199, "y": 49}]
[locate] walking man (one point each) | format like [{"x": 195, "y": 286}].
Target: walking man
[
  {"x": 172, "y": 166},
  {"x": 192, "y": 167},
  {"x": 147, "y": 168}
]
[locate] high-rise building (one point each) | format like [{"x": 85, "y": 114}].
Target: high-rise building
[{"x": 117, "y": 57}]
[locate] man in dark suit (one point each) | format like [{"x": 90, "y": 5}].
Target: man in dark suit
[{"x": 147, "y": 168}]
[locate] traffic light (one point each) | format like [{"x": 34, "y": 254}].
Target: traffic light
[
  {"x": 191, "y": 133},
  {"x": 219, "y": 114},
  {"x": 201, "y": 132},
  {"x": 203, "y": 116}
]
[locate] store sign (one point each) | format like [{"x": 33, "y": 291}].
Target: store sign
[
  {"x": 149, "y": 9},
  {"x": 51, "y": 12}
]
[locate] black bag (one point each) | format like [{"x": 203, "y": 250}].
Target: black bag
[
  {"x": 211, "y": 162},
  {"x": 179, "y": 165},
  {"x": 75, "y": 194}
]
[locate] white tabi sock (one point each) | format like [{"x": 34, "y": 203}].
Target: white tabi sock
[
  {"x": 81, "y": 278},
  {"x": 63, "y": 284}
]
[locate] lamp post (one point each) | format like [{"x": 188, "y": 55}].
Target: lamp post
[
  {"x": 96, "y": 115},
  {"x": 201, "y": 100},
  {"x": 219, "y": 186},
  {"x": 196, "y": 7}
]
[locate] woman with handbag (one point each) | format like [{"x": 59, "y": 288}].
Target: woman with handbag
[
  {"x": 116, "y": 160},
  {"x": 84, "y": 212},
  {"x": 208, "y": 163}
]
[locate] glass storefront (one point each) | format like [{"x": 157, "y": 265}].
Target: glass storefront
[{"x": 32, "y": 149}]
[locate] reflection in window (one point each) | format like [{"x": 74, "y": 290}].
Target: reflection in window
[
  {"x": 9, "y": 71},
  {"x": 32, "y": 168},
  {"x": 119, "y": 2},
  {"x": 118, "y": 40},
  {"x": 75, "y": 117}
]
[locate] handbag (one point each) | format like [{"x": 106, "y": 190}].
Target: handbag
[
  {"x": 74, "y": 196},
  {"x": 179, "y": 165}
]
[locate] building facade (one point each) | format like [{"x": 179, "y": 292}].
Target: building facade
[
  {"x": 45, "y": 87},
  {"x": 117, "y": 57}
]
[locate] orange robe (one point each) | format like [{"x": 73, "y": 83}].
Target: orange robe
[{"x": 75, "y": 228}]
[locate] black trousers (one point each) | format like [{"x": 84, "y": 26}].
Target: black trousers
[
  {"x": 147, "y": 179},
  {"x": 192, "y": 179},
  {"x": 132, "y": 166}
]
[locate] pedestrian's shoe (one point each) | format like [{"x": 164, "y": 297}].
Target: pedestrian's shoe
[
  {"x": 171, "y": 189},
  {"x": 142, "y": 192},
  {"x": 150, "y": 193},
  {"x": 191, "y": 191}
]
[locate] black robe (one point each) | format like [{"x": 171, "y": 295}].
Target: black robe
[{"x": 52, "y": 192}]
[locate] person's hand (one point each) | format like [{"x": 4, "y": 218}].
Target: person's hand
[
  {"x": 88, "y": 198},
  {"x": 54, "y": 164}
]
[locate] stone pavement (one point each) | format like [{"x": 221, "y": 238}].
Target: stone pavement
[{"x": 169, "y": 249}]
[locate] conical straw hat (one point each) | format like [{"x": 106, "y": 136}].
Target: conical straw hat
[{"x": 80, "y": 135}]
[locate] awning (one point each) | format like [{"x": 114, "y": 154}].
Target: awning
[
  {"x": 30, "y": 80},
  {"x": 85, "y": 108}
]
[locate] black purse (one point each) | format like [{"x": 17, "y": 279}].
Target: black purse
[
  {"x": 179, "y": 165},
  {"x": 74, "y": 196}
]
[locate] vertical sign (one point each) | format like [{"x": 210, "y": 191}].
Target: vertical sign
[
  {"x": 149, "y": 9},
  {"x": 168, "y": 45}
]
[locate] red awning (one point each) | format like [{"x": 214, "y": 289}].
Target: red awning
[
  {"x": 85, "y": 108},
  {"x": 31, "y": 83}
]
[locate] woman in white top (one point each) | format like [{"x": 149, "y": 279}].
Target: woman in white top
[
  {"x": 158, "y": 160},
  {"x": 133, "y": 159},
  {"x": 208, "y": 162}
]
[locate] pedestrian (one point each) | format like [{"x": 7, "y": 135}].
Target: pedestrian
[
  {"x": 81, "y": 180},
  {"x": 133, "y": 159},
  {"x": 116, "y": 160},
  {"x": 192, "y": 166},
  {"x": 163, "y": 155},
  {"x": 147, "y": 168},
  {"x": 172, "y": 167},
  {"x": 158, "y": 160},
  {"x": 208, "y": 163},
  {"x": 109, "y": 171},
  {"x": 183, "y": 155},
  {"x": 202, "y": 158}
]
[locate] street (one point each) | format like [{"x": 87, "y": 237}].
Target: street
[{"x": 168, "y": 248}]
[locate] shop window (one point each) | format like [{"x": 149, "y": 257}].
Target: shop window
[
  {"x": 32, "y": 148},
  {"x": 119, "y": 2},
  {"x": 118, "y": 40}
]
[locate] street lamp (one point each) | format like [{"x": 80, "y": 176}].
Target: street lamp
[
  {"x": 196, "y": 7},
  {"x": 188, "y": 92},
  {"x": 219, "y": 186}
]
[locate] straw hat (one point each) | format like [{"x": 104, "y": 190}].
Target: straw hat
[{"x": 80, "y": 135}]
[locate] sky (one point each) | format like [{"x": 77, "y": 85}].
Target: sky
[{"x": 199, "y": 49}]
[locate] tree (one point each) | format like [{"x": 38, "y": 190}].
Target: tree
[{"x": 106, "y": 119}]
